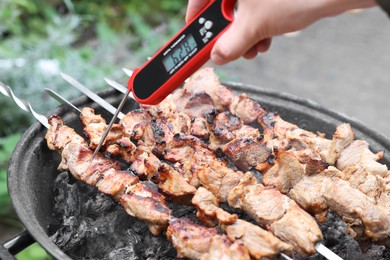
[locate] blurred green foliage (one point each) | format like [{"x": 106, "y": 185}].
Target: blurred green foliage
[
  {"x": 7, "y": 144},
  {"x": 32, "y": 252},
  {"x": 86, "y": 39}
]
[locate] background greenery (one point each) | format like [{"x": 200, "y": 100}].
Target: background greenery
[{"x": 86, "y": 39}]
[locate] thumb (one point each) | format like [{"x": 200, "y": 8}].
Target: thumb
[{"x": 237, "y": 40}]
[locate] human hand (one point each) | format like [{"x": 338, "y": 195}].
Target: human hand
[{"x": 257, "y": 21}]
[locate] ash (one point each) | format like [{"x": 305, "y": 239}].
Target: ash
[{"x": 87, "y": 224}]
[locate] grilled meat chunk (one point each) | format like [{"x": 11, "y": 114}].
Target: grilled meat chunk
[
  {"x": 359, "y": 153},
  {"x": 357, "y": 209},
  {"x": 144, "y": 203},
  {"x": 259, "y": 242},
  {"x": 360, "y": 178},
  {"x": 206, "y": 81},
  {"x": 173, "y": 184},
  {"x": 143, "y": 162},
  {"x": 209, "y": 211},
  {"x": 269, "y": 207},
  {"x": 285, "y": 173},
  {"x": 246, "y": 153},
  {"x": 199, "y": 105},
  {"x": 190, "y": 240},
  {"x": 246, "y": 109},
  {"x": 138, "y": 200},
  {"x": 308, "y": 194},
  {"x": 94, "y": 127},
  {"x": 275, "y": 126},
  {"x": 227, "y": 127},
  {"x": 122, "y": 149},
  {"x": 199, "y": 128},
  {"x": 222, "y": 248},
  {"x": 59, "y": 135},
  {"x": 218, "y": 178},
  {"x": 76, "y": 158},
  {"x": 181, "y": 123},
  {"x": 132, "y": 118}
]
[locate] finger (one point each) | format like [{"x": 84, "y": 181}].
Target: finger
[
  {"x": 251, "y": 53},
  {"x": 237, "y": 40},
  {"x": 264, "y": 45},
  {"x": 194, "y": 6}
]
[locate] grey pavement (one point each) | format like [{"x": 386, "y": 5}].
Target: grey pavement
[{"x": 342, "y": 63}]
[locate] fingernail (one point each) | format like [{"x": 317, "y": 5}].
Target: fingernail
[{"x": 217, "y": 59}]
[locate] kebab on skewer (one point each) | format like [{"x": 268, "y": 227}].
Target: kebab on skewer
[
  {"x": 139, "y": 200},
  {"x": 312, "y": 152},
  {"x": 203, "y": 167}
]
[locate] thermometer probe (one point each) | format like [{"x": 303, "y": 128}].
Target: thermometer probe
[{"x": 179, "y": 58}]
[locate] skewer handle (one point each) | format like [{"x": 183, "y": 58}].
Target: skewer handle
[{"x": 24, "y": 105}]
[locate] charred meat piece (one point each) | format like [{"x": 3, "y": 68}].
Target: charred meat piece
[
  {"x": 360, "y": 178},
  {"x": 181, "y": 123},
  {"x": 227, "y": 127},
  {"x": 246, "y": 153},
  {"x": 122, "y": 149},
  {"x": 269, "y": 207},
  {"x": 190, "y": 240},
  {"x": 132, "y": 118},
  {"x": 103, "y": 173},
  {"x": 199, "y": 128},
  {"x": 201, "y": 166},
  {"x": 206, "y": 81},
  {"x": 199, "y": 105},
  {"x": 144, "y": 203},
  {"x": 223, "y": 126},
  {"x": 246, "y": 109},
  {"x": 144, "y": 163}
]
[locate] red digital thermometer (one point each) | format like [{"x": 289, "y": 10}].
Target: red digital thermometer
[{"x": 185, "y": 53}]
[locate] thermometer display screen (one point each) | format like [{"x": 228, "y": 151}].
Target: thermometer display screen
[{"x": 180, "y": 53}]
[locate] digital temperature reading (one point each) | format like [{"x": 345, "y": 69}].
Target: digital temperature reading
[{"x": 179, "y": 53}]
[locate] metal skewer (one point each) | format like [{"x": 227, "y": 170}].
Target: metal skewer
[
  {"x": 117, "y": 86},
  {"x": 24, "y": 105},
  {"x": 62, "y": 100},
  {"x": 107, "y": 106},
  {"x": 118, "y": 111}
]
